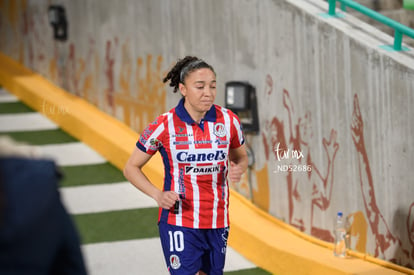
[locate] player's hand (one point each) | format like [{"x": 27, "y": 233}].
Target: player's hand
[
  {"x": 235, "y": 172},
  {"x": 167, "y": 199}
]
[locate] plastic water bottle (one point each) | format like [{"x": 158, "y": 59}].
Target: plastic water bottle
[{"x": 340, "y": 236}]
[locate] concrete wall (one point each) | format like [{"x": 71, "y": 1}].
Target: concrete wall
[{"x": 330, "y": 99}]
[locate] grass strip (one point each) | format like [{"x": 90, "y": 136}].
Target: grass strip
[
  {"x": 90, "y": 174},
  {"x": 41, "y": 137},
  {"x": 251, "y": 271},
  {"x": 14, "y": 108},
  {"x": 117, "y": 225}
]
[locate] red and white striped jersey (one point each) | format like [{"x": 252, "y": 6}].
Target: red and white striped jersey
[{"x": 195, "y": 163}]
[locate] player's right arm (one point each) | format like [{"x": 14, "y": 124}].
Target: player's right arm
[{"x": 133, "y": 173}]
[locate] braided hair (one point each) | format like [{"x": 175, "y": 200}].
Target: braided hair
[{"x": 183, "y": 68}]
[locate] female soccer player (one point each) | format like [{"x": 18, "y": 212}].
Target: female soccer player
[{"x": 201, "y": 144}]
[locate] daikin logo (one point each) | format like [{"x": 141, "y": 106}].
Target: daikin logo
[
  {"x": 202, "y": 170},
  {"x": 185, "y": 156}
]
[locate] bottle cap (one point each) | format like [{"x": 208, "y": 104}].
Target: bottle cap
[{"x": 340, "y": 214}]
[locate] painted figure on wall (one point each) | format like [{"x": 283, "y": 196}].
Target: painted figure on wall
[
  {"x": 309, "y": 187},
  {"x": 388, "y": 246}
]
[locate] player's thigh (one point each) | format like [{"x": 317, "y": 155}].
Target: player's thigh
[
  {"x": 214, "y": 259},
  {"x": 182, "y": 247}
]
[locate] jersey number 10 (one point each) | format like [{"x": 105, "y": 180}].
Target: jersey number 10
[{"x": 176, "y": 241}]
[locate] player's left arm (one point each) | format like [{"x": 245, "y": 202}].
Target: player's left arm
[{"x": 238, "y": 163}]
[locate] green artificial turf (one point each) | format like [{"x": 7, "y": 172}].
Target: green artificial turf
[
  {"x": 14, "y": 108},
  {"x": 90, "y": 174},
  {"x": 252, "y": 271},
  {"x": 117, "y": 225},
  {"x": 41, "y": 137}
]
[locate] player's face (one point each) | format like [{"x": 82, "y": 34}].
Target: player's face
[{"x": 199, "y": 90}]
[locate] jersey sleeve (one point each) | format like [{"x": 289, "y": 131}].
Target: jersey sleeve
[
  {"x": 151, "y": 139},
  {"x": 237, "y": 137}
]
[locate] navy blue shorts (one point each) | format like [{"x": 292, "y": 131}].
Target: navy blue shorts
[{"x": 188, "y": 250}]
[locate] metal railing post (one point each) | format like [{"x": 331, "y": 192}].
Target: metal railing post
[
  {"x": 397, "y": 40},
  {"x": 332, "y": 7}
]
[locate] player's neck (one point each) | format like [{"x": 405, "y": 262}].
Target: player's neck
[{"x": 194, "y": 114}]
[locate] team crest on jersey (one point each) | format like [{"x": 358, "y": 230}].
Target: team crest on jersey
[
  {"x": 175, "y": 261},
  {"x": 219, "y": 130}
]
